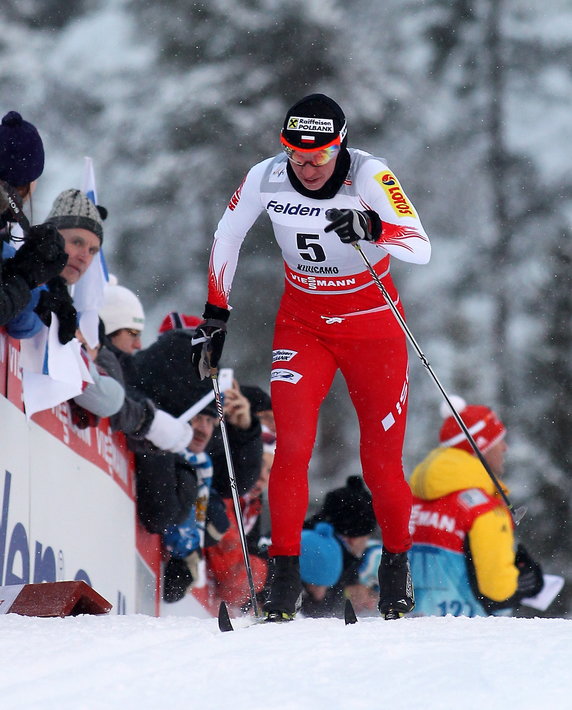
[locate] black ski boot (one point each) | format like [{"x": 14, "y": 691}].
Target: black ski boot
[
  {"x": 396, "y": 595},
  {"x": 285, "y": 589}
]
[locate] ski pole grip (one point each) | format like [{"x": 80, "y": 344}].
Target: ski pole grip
[{"x": 333, "y": 214}]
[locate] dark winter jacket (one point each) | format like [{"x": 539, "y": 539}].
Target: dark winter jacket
[
  {"x": 16, "y": 301},
  {"x": 246, "y": 453},
  {"x": 164, "y": 372},
  {"x": 135, "y": 416},
  {"x": 166, "y": 487},
  {"x": 166, "y": 375}
]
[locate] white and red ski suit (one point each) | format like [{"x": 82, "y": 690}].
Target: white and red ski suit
[{"x": 332, "y": 316}]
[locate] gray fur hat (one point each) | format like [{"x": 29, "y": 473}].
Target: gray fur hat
[{"x": 73, "y": 208}]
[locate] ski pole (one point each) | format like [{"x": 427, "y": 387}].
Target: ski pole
[
  {"x": 518, "y": 514},
  {"x": 233, "y": 487}
]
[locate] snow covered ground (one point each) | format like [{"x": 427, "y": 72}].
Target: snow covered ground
[{"x": 138, "y": 662}]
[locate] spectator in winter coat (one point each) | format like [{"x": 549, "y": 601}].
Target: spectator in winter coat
[
  {"x": 463, "y": 557},
  {"x": 166, "y": 483},
  {"x": 225, "y": 561},
  {"x": 185, "y": 540},
  {"x": 261, "y": 405},
  {"x": 253, "y": 501},
  {"x": 124, "y": 318},
  {"x": 349, "y": 511},
  {"x": 323, "y": 198},
  {"x": 165, "y": 375},
  {"x": 245, "y": 440},
  {"x": 42, "y": 255},
  {"x": 80, "y": 223},
  {"x": 147, "y": 427}
]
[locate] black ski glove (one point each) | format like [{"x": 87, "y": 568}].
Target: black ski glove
[
  {"x": 179, "y": 575},
  {"x": 353, "y": 225},
  {"x": 58, "y": 300},
  {"x": 41, "y": 257},
  {"x": 530, "y": 580},
  {"x": 208, "y": 340},
  {"x": 529, "y": 584}
]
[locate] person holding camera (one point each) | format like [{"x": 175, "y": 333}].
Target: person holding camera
[
  {"x": 463, "y": 558},
  {"x": 323, "y": 197},
  {"x": 42, "y": 255}
]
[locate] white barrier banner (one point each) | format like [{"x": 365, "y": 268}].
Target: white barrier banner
[
  {"x": 8, "y": 596},
  {"x": 61, "y": 516}
]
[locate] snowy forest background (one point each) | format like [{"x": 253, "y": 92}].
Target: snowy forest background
[{"x": 469, "y": 101}]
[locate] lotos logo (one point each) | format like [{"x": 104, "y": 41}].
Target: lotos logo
[{"x": 401, "y": 205}]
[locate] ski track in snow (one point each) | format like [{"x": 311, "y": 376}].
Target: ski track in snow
[{"x": 137, "y": 662}]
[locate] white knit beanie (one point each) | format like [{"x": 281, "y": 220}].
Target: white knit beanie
[{"x": 121, "y": 309}]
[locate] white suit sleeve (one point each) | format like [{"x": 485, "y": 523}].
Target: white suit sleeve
[
  {"x": 243, "y": 209},
  {"x": 402, "y": 235}
]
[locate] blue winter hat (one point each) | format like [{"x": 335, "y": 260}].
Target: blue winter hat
[
  {"x": 320, "y": 556},
  {"x": 21, "y": 151}
]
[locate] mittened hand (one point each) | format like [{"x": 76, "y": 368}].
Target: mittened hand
[
  {"x": 169, "y": 433},
  {"x": 530, "y": 579},
  {"x": 41, "y": 257},
  {"x": 56, "y": 299}
]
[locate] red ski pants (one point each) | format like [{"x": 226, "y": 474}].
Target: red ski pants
[{"x": 372, "y": 357}]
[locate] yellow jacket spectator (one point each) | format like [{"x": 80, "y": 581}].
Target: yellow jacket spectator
[{"x": 463, "y": 556}]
